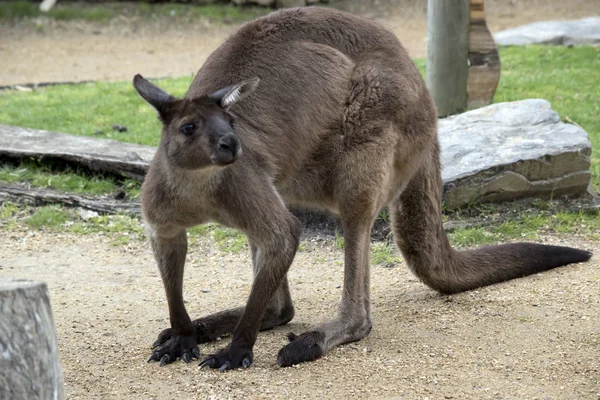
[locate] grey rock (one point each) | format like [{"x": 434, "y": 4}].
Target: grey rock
[
  {"x": 585, "y": 31},
  {"x": 513, "y": 150}
]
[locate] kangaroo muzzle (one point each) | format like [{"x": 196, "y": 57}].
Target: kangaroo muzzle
[{"x": 227, "y": 150}]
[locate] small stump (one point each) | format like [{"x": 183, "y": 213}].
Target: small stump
[{"x": 29, "y": 362}]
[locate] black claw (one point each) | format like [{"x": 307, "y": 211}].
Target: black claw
[
  {"x": 196, "y": 353},
  {"x": 153, "y": 357},
  {"x": 246, "y": 363},
  {"x": 164, "y": 360},
  {"x": 292, "y": 336},
  {"x": 209, "y": 362},
  {"x": 224, "y": 366},
  {"x": 186, "y": 357},
  {"x": 156, "y": 344}
]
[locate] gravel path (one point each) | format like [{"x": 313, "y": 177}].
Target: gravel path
[{"x": 532, "y": 338}]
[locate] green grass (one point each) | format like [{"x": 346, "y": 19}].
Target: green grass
[
  {"x": 228, "y": 240},
  {"x": 528, "y": 227},
  {"x": 568, "y": 77},
  {"x": 121, "y": 228},
  {"x": 177, "y": 13},
  {"x": 383, "y": 253},
  {"x": 89, "y": 109},
  {"x": 55, "y": 218},
  {"x": 339, "y": 240},
  {"x": 46, "y": 175},
  {"x": 48, "y": 217}
]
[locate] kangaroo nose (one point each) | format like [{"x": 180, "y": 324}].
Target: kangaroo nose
[
  {"x": 227, "y": 150},
  {"x": 229, "y": 142}
]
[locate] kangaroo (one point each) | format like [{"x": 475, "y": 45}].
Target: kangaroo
[{"x": 318, "y": 108}]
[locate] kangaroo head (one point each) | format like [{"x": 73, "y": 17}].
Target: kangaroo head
[{"x": 197, "y": 132}]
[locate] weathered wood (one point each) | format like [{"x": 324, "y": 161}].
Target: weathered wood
[
  {"x": 447, "y": 54},
  {"x": 36, "y": 196},
  {"x": 484, "y": 61},
  {"x": 121, "y": 158},
  {"x": 29, "y": 361}
]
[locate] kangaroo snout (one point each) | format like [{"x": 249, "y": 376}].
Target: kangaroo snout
[{"x": 227, "y": 150}]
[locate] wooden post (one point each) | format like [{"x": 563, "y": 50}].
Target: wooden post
[
  {"x": 447, "y": 54},
  {"x": 484, "y": 61},
  {"x": 29, "y": 363}
]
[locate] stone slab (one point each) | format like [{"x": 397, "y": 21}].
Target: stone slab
[
  {"x": 508, "y": 151},
  {"x": 585, "y": 31}
]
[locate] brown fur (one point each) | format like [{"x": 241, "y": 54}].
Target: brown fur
[{"x": 341, "y": 120}]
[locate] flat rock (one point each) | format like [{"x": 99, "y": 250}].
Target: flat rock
[
  {"x": 500, "y": 152},
  {"x": 585, "y": 31},
  {"x": 513, "y": 150}
]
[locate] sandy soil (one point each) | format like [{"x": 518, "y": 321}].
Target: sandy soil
[
  {"x": 46, "y": 51},
  {"x": 532, "y": 338}
]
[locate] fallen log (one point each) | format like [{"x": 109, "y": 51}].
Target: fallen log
[
  {"x": 37, "y": 197},
  {"x": 29, "y": 360}
]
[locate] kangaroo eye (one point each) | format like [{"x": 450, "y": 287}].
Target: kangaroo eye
[{"x": 188, "y": 129}]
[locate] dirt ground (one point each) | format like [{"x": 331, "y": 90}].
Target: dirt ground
[
  {"x": 46, "y": 51},
  {"x": 532, "y": 338}
]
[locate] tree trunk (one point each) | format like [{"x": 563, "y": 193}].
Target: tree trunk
[
  {"x": 447, "y": 54},
  {"x": 29, "y": 362},
  {"x": 484, "y": 60},
  {"x": 37, "y": 197}
]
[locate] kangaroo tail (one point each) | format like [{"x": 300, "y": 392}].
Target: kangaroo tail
[{"x": 418, "y": 229}]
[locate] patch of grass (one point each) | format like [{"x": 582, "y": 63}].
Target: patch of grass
[
  {"x": 472, "y": 237},
  {"x": 88, "y": 109},
  {"x": 384, "y": 215},
  {"x": 528, "y": 227},
  {"x": 303, "y": 246},
  {"x": 339, "y": 240},
  {"x": 7, "y": 210},
  {"x": 383, "y": 253},
  {"x": 178, "y": 13},
  {"x": 18, "y": 9},
  {"x": 47, "y": 217},
  {"x": 229, "y": 240},
  {"x": 44, "y": 175},
  {"x": 121, "y": 228},
  {"x": 567, "y": 77}
]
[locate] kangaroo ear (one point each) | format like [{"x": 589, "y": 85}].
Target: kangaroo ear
[
  {"x": 158, "y": 98},
  {"x": 230, "y": 95}
]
